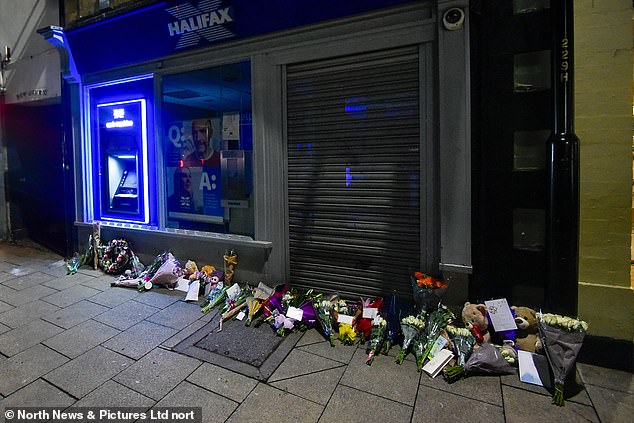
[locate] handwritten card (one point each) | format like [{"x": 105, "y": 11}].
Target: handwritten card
[
  {"x": 436, "y": 364},
  {"x": 295, "y": 313},
  {"x": 233, "y": 291},
  {"x": 192, "y": 293},
  {"x": 241, "y": 316},
  {"x": 500, "y": 315},
  {"x": 344, "y": 318},
  {"x": 370, "y": 312}
]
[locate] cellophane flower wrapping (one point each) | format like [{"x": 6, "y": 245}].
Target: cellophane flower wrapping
[
  {"x": 363, "y": 326},
  {"x": 463, "y": 343},
  {"x": 215, "y": 297},
  {"x": 436, "y": 322},
  {"x": 411, "y": 326},
  {"x": 253, "y": 306},
  {"x": 562, "y": 338},
  {"x": 324, "y": 314},
  {"x": 393, "y": 318},
  {"x": 377, "y": 337},
  {"x": 427, "y": 291},
  {"x": 485, "y": 360},
  {"x": 347, "y": 335}
]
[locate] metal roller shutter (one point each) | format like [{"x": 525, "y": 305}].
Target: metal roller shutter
[{"x": 354, "y": 172}]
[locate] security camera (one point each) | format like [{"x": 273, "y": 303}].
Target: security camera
[{"x": 453, "y": 19}]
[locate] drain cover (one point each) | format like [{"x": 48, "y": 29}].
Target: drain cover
[{"x": 254, "y": 352}]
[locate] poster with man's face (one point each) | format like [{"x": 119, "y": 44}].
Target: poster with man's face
[{"x": 193, "y": 172}]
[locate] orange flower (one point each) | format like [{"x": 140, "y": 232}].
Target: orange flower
[{"x": 429, "y": 282}]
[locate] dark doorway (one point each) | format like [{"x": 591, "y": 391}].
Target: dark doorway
[{"x": 36, "y": 189}]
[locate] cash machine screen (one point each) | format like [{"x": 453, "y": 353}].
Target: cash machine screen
[{"x": 122, "y": 156}]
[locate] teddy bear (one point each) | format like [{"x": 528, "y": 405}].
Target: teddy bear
[
  {"x": 527, "y": 338},
  {"x": 474, "y": 316}
]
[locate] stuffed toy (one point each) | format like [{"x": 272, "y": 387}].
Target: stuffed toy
[
  {"x": 474, "y": 316},
  {"x": 527, "y": 334}
]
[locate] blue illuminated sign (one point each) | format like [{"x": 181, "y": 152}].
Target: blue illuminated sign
[
  {"x": 122, "y": 161},
  {"x": 173, "y": 26}
]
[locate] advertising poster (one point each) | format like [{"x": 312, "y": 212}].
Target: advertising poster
[{"x": 193, "y": 171}]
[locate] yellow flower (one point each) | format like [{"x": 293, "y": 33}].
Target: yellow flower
[{"x": 346, "y": 333}]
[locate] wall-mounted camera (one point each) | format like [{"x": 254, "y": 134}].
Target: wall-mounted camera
[{"x": 453, "y": 19}]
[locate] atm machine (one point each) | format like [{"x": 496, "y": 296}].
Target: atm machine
[{"x": 121, "y": 161}]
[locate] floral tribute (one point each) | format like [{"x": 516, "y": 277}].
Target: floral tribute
[
  {"x": 377, "y": 337},
  {"x": 562, "y": 338},
  {"x": 411, "y": 326},
  {"x": 427, "y": 290}
]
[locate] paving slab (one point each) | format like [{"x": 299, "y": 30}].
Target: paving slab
[
  {"x": 160, "y": 298},
  {"x": 311, "y": 336},
  {"x": 33, "y": 279},
  {"x": 114, "y": 297},
  {"x": 25, "y": 367},
  {"x": 88, "y": 270},
  {"x": 612, "y": 406},
  {"x": 178, "y": 315},
  {"x": 384, "y": 377},
  {"x": 88, "y": 371},
  {"x": 139, "y": 339},
  {"x": 4, "y": 276},
  {"x": 20, "y": 270},
  {"x": 71, "y": 295},
  {"x": 126, "y": 315},
  {"x": 27, "y": 295},
  {"x": 299, "y": 363},
  {"x": 214, "y": 407},
  {"x": 5, "y": 307},
  {"x": 4, "y": 328},
  {"x": 433, "y": 405},
  {"x": 574, "y": 389},
  {"x": 67, "y": 281},
  {"x": 606, "y": 378},
  {"x": 341, "y": 353},
  {"x": 26, "y": 336},
  {"x": 38, "y": 394},
  {"x": 56, "y": 268},
  {"x": 183, "y": 334},
  {"x": 351, "y": 405},
  {"x": 223, "y": 382},
  {"x": 518, "y": 404},
  {"x": 77, "y": 340},
  {"x": 275, "y": 405},
  {"x": 75, "y": 314},
  {"x": 113, "y": 394},
  {"x": 482, "y": 388},
  {"x": 317, "y": 387},
  {"x": 101, "y": 283},
  {"x": 25, "y": 314},
  {"x": 156, "y": 374}
]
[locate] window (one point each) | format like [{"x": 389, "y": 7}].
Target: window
[{"x": 207, "y": 150}]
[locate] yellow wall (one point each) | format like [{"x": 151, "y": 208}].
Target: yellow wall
[{"x": 603, "y": 102}]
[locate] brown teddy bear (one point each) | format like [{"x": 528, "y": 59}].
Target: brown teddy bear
[
  {"x": 474, "y": 317},
  {"x": 527, "y": 334}
]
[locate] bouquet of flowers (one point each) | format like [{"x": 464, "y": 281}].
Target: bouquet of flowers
[
  {"x": 562, "y": 338},
  {"x": 363, "y": 325},
  {"x": 411, "y": 327},
  {"x": 215, "y": 297},
  {"x": 253, "y": 306},
  {"x": 377, "y": 337},
  {"x": 324, "y": 313},
  {"x": 393, "y": 331},
  {"x": 428, "y": 291},
  {"x": 346, "y": 333},
  {"x": 487, "y": 359},
  {"x": 438, "y": 320},
  {"x": 273, "y": 302},
  {"x": 463, "y": 342}
]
